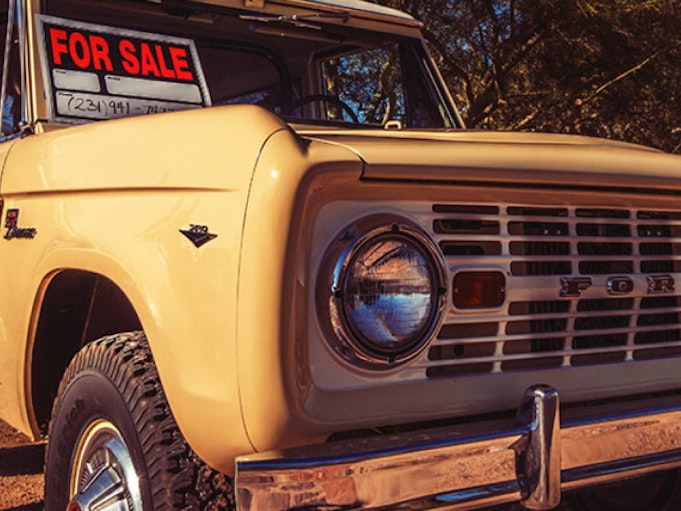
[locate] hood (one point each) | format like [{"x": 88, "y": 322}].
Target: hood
[{"x": 508, "y": 158}]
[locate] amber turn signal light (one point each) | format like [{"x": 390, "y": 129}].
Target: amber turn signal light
[{"x": 479, "y": 289}]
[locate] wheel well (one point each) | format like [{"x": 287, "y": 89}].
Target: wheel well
[{"x": 78, "y": 307}]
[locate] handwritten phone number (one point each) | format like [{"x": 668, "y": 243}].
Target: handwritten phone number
[{"x": 97, "y": 107}]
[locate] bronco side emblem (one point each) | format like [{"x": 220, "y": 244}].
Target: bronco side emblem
[
  {"x": 13, "y": 231},
  {"x": 198, "y": 234}
]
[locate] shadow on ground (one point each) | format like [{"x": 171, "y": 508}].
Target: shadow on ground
[
  {"x": 21, "y": 471},
  {"x": 22, "y": 460}
]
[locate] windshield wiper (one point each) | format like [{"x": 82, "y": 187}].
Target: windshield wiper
[{"x": 298, "y": 20}]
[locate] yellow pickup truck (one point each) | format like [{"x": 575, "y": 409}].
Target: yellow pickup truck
[{"x": 252, "y": 259}]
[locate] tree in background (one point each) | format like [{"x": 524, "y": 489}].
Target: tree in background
[{"x": 607, "y": 68}]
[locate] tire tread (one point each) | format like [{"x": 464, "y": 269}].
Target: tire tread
[{"x": 178, "y": 478}]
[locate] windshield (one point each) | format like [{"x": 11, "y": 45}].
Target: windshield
[{"x": 105, "y": 60}]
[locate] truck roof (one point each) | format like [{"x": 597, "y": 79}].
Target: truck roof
[
  {"x": 357, "y": 5},
  {"x": 359, "y": 8}
]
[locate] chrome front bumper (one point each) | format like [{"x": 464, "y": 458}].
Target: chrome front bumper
[{"x": 441, "y": 469}]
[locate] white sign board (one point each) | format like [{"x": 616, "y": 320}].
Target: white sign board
[{"x": 95, "y": 72}]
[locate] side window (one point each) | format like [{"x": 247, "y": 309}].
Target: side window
[
  {"x": 11, "y": 72},
  {"x": 369, "y": 82},
  {"x": 425, "y": 108},
  {"x": 380, "y": 85}
]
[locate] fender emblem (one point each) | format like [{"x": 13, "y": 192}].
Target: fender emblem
[
  {"x": 198, "y": 234},
  {"x": 13, "y": 230}
]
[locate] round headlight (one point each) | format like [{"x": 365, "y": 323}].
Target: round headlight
[{"x": 388, "y": 294}]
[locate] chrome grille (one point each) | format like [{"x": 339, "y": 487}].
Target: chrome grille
[{"x": 627, "y": 310}]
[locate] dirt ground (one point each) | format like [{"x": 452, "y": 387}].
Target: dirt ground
[{"x": 21, "y": 471}]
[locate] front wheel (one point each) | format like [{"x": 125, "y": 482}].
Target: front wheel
[{"x": 114, "y": 444}]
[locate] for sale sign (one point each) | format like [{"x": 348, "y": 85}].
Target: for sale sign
[{"x": 99, "y": 72}]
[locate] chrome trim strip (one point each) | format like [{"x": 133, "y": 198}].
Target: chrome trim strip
[{"x": 444, "y": 469}]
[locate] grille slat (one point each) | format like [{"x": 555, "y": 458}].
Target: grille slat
[
  {"x": 462, "y": 360},
  {"x": 544, "y": 355},
  {"x": 511, "y": 338},
  {"x": 624, "y": 309}
]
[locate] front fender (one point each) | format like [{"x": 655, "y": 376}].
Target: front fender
[
  {"x": 272, "y": 273},
  {"x": 111, "y": 198}
]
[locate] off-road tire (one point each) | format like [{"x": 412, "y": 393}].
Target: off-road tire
[{"x": 114, "y": 380}]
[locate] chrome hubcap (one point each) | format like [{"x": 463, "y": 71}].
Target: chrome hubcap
[{"x": 103, "y": 477}]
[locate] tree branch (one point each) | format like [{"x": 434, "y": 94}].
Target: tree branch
[{"x": 619, "y": 77}]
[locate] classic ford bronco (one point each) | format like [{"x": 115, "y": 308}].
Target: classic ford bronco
[{"x": 252, "y": 259}]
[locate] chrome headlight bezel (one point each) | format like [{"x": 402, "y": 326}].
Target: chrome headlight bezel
[{"x": 348, "y": 340}]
